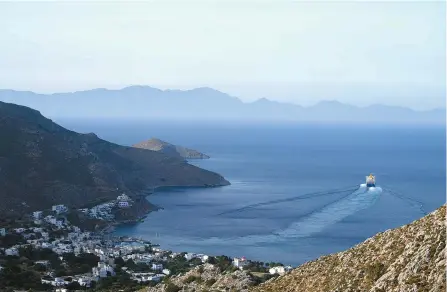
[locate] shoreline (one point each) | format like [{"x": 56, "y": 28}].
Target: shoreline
[{"x": 110, "y": 228}]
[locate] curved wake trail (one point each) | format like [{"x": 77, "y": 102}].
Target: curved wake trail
[
  {"x": 414, "y": 203},
  {"x": 315, "y": 222},
  {"x": 306, "y": 225},
  {"x": 301, "y": 197}
]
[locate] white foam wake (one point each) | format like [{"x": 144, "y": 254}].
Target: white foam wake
[{"x": 329, "y": 215}]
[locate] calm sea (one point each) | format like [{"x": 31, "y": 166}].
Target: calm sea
[{"x": 294, "y": 193}]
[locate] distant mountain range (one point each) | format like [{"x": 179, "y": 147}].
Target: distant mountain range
[{"x": 144, "y": 102}]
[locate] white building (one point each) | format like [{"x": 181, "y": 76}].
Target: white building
[
  {"x": 280, "y": 270},
  {"x": 2, "y": 231},
  {"x": 102, "y": 269},
  {"x": 12, "y": 251},
  {"x": 59, "y": 209},
  {"x": 166, "y": 272},
  {"x": 157, "y": 267},
  {"x": 190, "y": 256},
  {"x": 239, "y": 262},
  {"x": 123, "y": 204},
  {"x": 57, "y": 282},
  {"x": 45, "y": 263},
  {"x": 85, "y": 281},
  {"x": 19, "y": 230},
  {"x": 37, "y": 215},
  {"x": 204, "y": 258},
  {"x": 123, "y": 197}
]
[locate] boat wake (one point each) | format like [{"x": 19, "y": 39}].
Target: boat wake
[
  {"x": 348, "y": 190},
  {"x": 319, "y": 219}
]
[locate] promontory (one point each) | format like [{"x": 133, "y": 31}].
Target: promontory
[
  {"x": 43, "y": 164},
  {"x": 155, "y": 144}
]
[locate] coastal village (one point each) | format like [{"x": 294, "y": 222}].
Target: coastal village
[{"x": 66, "y": 257}]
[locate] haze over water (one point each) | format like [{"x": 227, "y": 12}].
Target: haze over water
[{"x": 272, "y": 212}]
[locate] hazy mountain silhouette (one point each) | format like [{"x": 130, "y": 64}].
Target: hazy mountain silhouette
[{"x": 205, "y": 104}]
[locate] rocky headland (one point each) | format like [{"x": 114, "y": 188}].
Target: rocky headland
[
  {"x": 43, "y": 164},
  {"x": 169, "y": 149}
]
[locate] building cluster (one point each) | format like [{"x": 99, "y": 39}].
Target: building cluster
[
  {"x": 71, "y": 239},
  {"x": 78, "y": 242},
  {"x": 105, "y": 211}
]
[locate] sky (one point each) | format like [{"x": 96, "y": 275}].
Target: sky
[{"x": 301, "y": 52}]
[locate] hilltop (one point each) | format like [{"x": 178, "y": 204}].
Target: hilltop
[
  {"x": 164, "y": 147},
  {"x": 409, "y": 258},
  {"x": 42, "y": 164}
]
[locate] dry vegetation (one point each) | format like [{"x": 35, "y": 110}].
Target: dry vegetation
[{"x": 409, "y": 258}]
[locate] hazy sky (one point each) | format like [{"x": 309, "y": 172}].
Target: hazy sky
[{"x": 355, "y": 52}]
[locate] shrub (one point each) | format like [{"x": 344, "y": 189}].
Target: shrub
[
  {"x": 191, "y": 279},
  {"x": 375, "y": 271},
  {"x": 210, "y": 282},
  {"x": 171, "y": 287}
]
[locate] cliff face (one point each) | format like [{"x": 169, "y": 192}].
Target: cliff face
[
  {"x": 409, "y": 258},
  {"x": 42, "y": 163},
  {"x": 155, "y": 144}
]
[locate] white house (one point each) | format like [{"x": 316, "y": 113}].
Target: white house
[
  {"x": 2, "y": 231},
  {"x": 280, "y": 270},
  {"x": 166, "y": 272},
  {"x": 37, "y": 215},
  {"x": 85, "y": 281},
  {"x": 12, "y": 251},
  {"x": 19, "y": 230},
  {"x": 157, "y": 267},
  {"x": 44, "y": 263},
  {"x": 58, "y": 282},
  {"x": 102, "y": 269},
  {"x": 239, "y": 262},
  {"x": 123, "y": 204},
  {"x": 123, "y": 197},
  {"x": 47, "y": 281},
  {"x": 59, "y": 209},
  {"x": 190, "y": 256}
]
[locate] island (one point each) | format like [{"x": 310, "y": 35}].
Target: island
[{"x": 155, "y": 144}]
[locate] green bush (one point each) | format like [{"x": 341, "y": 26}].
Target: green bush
[
  {"x": 375, "y": 271},
  {"x": 192, "y": 278},
  {"x": 210, "y": 282},
  {"x": 171, "y": 287}
]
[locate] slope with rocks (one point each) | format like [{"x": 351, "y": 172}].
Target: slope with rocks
[
  {"x": 207, "y": 277},
  {"x": 155, "y": 144},
  {"x": 42, "y": 163},
  {"x": 409, "y": 258}
]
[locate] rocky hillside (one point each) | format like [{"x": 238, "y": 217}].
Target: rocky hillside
[
  {"x": 155, "y": 144},
  {"x": 206, "y": 277},
  {"x": 42, "y": 163},
  {"x": 409, "y": 258}
]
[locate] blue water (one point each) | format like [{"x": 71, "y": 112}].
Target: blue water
[{"x": 271, "y": 211}]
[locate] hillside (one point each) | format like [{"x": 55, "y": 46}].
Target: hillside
[
  {"x": 409, "y": 258},
  {"x": 155, "y": 144},
  {"x": 204, "y": 104},
  {"x": 42, "y": 163}
]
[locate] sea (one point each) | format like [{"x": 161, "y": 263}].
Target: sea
[{"x": 296, "y": 190}]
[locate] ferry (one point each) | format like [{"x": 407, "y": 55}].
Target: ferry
[{"x": 370, "y": 181}]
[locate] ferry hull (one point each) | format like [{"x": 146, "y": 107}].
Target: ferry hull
[{"x": 370, "y": 185}]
